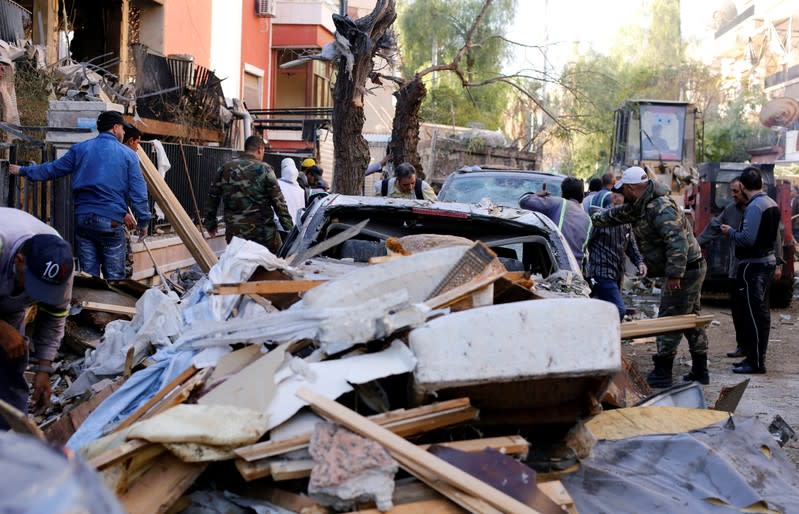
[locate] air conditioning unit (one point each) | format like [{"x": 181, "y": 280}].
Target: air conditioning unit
[{"x": 265, "y": 8}]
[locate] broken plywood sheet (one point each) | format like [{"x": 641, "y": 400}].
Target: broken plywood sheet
[
  {"x": 418, "y": 274},
  {"x": 636, "y": 421},
  {"x": 253, "y": 387},
  {"x": 334, "y": 377},
  {"x": 566, "y": 337}
]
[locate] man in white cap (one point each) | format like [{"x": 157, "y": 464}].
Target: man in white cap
[
  {"x": 35, "y": 269},
  {"x": 670, "y": 250}
]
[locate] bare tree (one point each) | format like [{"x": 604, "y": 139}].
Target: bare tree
[{"x": 357, "y": 44}]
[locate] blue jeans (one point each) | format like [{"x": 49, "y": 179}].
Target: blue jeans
[
  {"x": 100, "y": 243},
  {"x": 608, "y": 290}
]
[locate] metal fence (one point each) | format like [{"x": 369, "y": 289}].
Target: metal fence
[{"x": 189, "y": 178}]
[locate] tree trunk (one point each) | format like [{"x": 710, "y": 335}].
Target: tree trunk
[
  {"x": 351, "y": 149},
  {"x": 405, "y": 130}
]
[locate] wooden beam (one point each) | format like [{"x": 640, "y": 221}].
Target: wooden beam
[
  {"x": 176, "y": 130},
  {"x": 647, "y": 327},
  {"x": 403, "y": 422},
  {"x": 457, "y": 294},
  {"x": 123, "y": 451},
  {"x": 176, "y": 215},
  {"x": 280, "y": 469},
  {"x": 161, "y": 486},
  {"x": 19, "y": 422},
  {"x": 267, "y": 287},
  {"x": 413, "y": 458},
  {"x": 435, "y": 506},
  {"x": 109, "y": 307},
  {"x": 157, "y": 397}
]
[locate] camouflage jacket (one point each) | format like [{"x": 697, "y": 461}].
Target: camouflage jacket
[
  {"x": 664, "y": 235},
  {"x": 251, "y": 196}
]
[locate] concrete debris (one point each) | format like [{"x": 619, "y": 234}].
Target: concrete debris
[
  {"x": 349, "y": 469},
  {"x": 217, "y": 376}
]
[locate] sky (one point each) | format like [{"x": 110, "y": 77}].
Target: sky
[{"x": 594, "y": 24}]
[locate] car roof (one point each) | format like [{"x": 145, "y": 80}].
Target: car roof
[
  {"x": 501, "y": 170},
  {"x": 499, "y": 212}
]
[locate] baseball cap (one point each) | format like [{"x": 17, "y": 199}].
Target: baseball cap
[
  {"x": 307, "y": 163},
  {"x": 48, "y": 269},
  {"x": 108, "y": 119},
  {"x": 632, "y": 175}
]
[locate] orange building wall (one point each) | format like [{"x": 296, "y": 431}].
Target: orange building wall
[
  {"x": 187, "y": 29},
  {"x": 255, "y": 49}
]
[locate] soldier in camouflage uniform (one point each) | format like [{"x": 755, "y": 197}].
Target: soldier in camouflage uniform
[
  {"x": 251, "y": 196},
  {"x": 667, "y": 243}
]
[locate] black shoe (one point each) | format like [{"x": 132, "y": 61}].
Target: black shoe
[
  {"x": 660, "y": 377},
  {"x": 738, "y": 364},
  {"x": 698, "y": 371},
  {"x": 747, "y": 369},
  {"x": 737, "y": 353}
]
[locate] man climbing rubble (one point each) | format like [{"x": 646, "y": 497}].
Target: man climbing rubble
[
  {"x": 670, "y": 250},
  {"x": 35, "y": 269}
]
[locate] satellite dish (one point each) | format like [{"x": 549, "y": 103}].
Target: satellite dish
[{"x": 779, "y": 113}]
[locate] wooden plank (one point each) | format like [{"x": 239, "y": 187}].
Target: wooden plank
[
  {"x": 292, "y": 469},
  {"x": 403, "y": 422},
  {"x": 141, "y": 411},
  {"x": 267, "y": 287},
  {"x": 437, "y": 506},
  {"x": 413, "y": 458},
  {"x": 161, "y": 486},
  {"x": 113, "y": 456},
  {"x": 648, "y": 327},
  {"x": 182, "y": 393},
  {"x": 515, "y": 445},
  {"x": 289, "y": 501},
  {"x": 557, "y": 493},
  {"x": 176, "y": 215},
  {"x": 108, "y": 307},
  {"x": 19, "y": 422},
  {"x": 464, "y": 291},
  {"x": 177, "y": 130}
]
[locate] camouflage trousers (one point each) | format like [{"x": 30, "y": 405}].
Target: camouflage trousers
[
  {"x": 263, "y": 235},
  {"x": 685, "y": 300}
]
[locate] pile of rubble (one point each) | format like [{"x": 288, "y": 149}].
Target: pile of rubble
[{"x": 437, "y": 360}]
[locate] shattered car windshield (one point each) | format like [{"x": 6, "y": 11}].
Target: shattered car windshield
[{"x": 501, "y": 189}]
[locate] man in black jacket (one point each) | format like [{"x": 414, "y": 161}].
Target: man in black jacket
[{"x": 754, "y": 249}]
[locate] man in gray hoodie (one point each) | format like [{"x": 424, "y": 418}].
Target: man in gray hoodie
[{"x": 36, "y": 267}]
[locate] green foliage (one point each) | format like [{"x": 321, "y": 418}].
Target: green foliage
[
  {"x": 441, "y": 27},
  {"x": 730, "y": 132},
  {"x": 647, "y": 63}
]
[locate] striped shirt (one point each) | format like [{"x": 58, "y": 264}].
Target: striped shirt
[{"x": 607, "y": 247}]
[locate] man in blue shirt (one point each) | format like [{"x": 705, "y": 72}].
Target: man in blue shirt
[{"x": 105, "y": 178}]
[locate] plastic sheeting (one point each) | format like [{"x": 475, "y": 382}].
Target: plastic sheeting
[
  {"x": 38, "y": 479},
  {"x": 156, "y": 322},
  {"x": 725, "y": 467}
]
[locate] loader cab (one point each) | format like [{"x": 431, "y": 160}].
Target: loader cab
[{"x": 660, "y": 136}]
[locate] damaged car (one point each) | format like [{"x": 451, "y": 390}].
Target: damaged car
[{"x": 523, "y": 240}]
